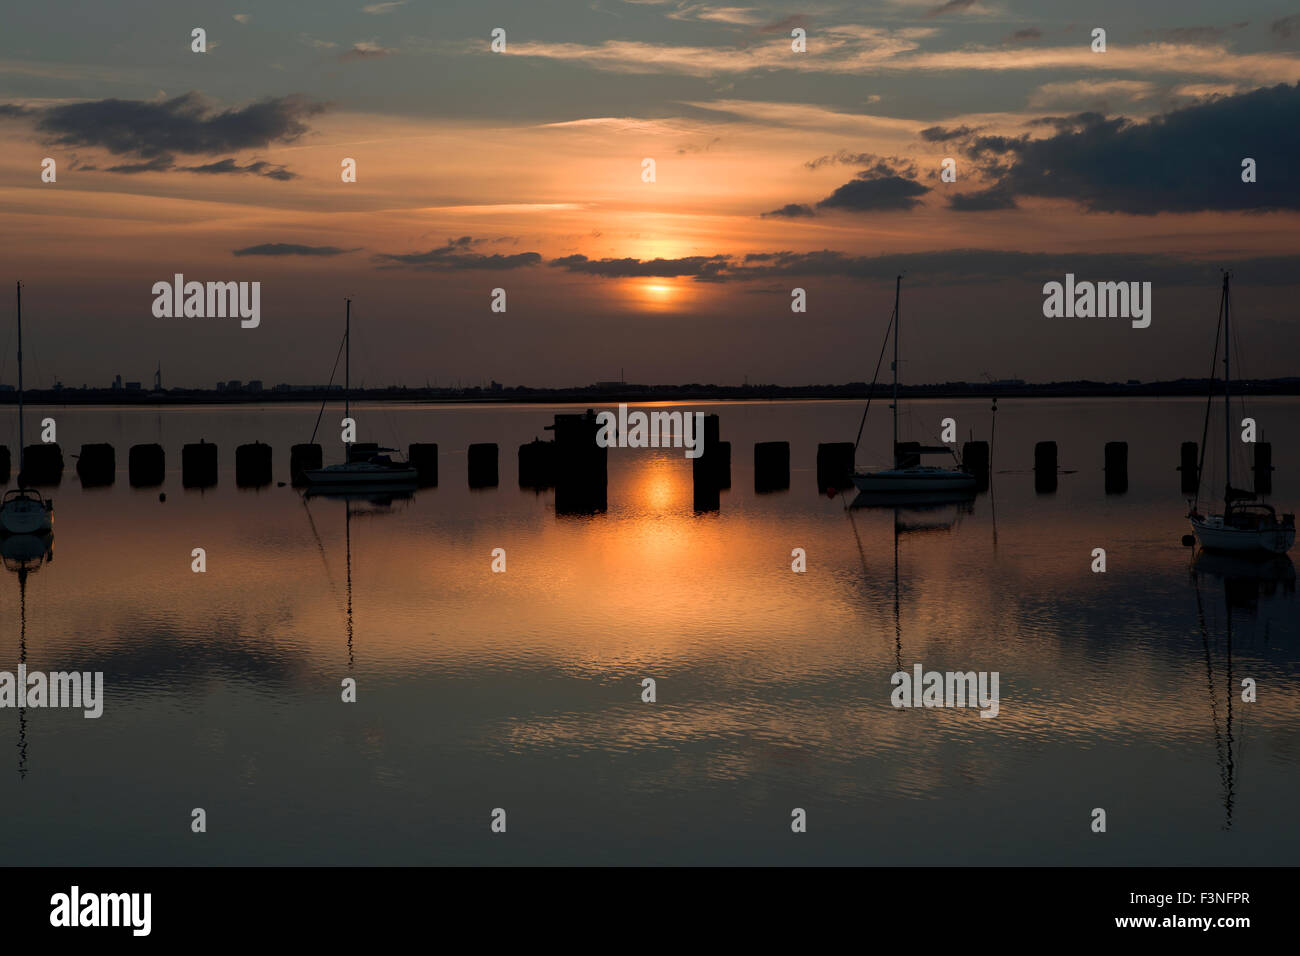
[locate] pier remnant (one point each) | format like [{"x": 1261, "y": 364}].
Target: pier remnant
[
  {"x": 707, "y": 470},
  {"x": 42, "y": 465},
  {"x": 146, "y": 465},
  {"x": 1045, "y": 467},
  {"x": 423, "y": 457},
  {"x": 581, "y": 465},
  {"x": 96, "y": 465},
  {"x": 1263, "y": 468},
  {"x": 482, "y": 459},
  {"x": 253, "y": 465},
  {"x": 199, "y": 465},
  {"x": 302, "y": 458},
  {"x": 1116, "y": 467},
  {"x": 537, "y": 464},
  {"x": 1188, "y": 466},
  {"x": 834, "y": 466},
  {"x": 771, "y": 466},
  {"x": 975, "y": 461}
]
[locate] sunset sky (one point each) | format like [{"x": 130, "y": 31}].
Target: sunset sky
[{"x": 522, "y": 170}]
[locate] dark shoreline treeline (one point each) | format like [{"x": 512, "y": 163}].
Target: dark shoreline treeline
[{"x": 608, "y": 393}]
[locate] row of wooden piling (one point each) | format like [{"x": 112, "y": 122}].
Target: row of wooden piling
[{"x": 573, "y": 464}]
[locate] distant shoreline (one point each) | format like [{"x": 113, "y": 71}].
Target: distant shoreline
[{"x": 606, "y": 394}]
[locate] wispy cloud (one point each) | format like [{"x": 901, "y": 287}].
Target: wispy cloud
[
  {"x": 456, "y": 255},
  {"x": 290, "y": 249},
  {"x": 365, "y": 50}
]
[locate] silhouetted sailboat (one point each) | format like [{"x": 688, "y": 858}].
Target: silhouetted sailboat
[
  {"x": 365, "y": 464},
  {"x": 908, "y": 476},
  {"x": 24, "y": 510},
  {"x": 1245, "y": 525}
]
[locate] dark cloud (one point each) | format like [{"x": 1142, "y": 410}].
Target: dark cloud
[
  {"x": 1287, "y": 27},
  {"x": 875, "y": 194},
  {"x": 259, "y": 168},
  {"x": 160, "y": 164},
  {"x": 941, "y": 134},
  {"x": 842, "y": 158},
  {"x": 186, "y": 124},
  {"x": 982, "y": 200},
  {"x": 1027, "y": 35},
  {"x": 702, "y": 267},
  {"x": 792, "y": 210},
  {"x": 971, "y": 266},
  {"x": 454, "y": 255},
  {"x": 289, "y": 249},
  {"x": 887, "y": 183},
  {"x": 9, "y": 109},
  {"x": 952, "y": 6},
  {"x": 1186, "y": 160}
]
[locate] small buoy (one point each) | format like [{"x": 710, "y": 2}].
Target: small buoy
[
  {"x": 162, "y": 496},
  {"x": 1189, "y": 540},
  {"x": 279, "y": 484}
]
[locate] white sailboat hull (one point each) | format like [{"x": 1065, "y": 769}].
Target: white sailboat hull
[
  {"x": 921, "y": 480},
  {"x": 1214, "y": 535}
]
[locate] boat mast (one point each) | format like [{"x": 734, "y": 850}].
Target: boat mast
[
  {"x": 22, "y": 451},
  {"x": 898, "y": 282},
  {"x": 347, "y": 369},
  {"x": 1227, "y": 403}
]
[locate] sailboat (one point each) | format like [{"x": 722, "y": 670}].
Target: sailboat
[
  {"x": 366, "y": 464},
  {"x": 909, "y": 476},
  {"x": 24, "y": 510},
  {"x": 1245, "y": 525}
]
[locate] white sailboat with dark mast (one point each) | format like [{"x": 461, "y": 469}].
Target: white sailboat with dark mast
[
  {"x": 24, "y": 510},
  {"x": 909, "y": 476},
  {"x": 365, "y": 463},
  {"x": 1245, "y": 525}
]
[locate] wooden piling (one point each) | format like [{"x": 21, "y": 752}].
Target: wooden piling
[
  {"x": 707, "y": 470},
  {"x": 581, "y": 465},
  {"x": 97, "y": 465},
  {"x": 1116, "y": 457},
  {"x": 1188, "y": 466},
  {"x": 252, "y": 465},
  {"x": 1263, "y": 468},
  {"x": 1045, "y": 467},
  {"x": 42, "y": 465},
  {"x": 302, "y": 458},
  {"x": 975, "y": 461},
  {"x": 199, "y": 465},
  {"x": 537, "y": 464},
  {"x": 834, "y": 466},
  {"x": 146, "y": 465},
  {"x": 423, "y": 457},
  {"x": 771, "y": 466},
  {"x": 482, "y": 459}
]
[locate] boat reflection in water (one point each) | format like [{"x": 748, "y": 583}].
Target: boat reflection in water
[
  {"x": 380, "y": 497},
  {"x": 1245, "y": 581},
  {"x": 24, "y": 554}
]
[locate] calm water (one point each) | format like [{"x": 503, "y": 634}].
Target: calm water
[{"x": 522, "y": 690}]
